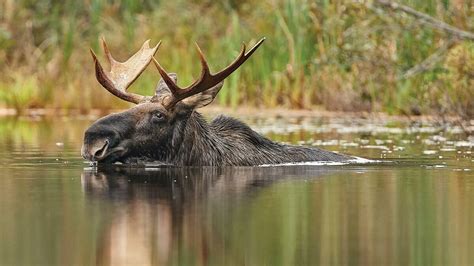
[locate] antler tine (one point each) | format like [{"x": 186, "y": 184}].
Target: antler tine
[
  {"x": 107, "y": 51},
  {"x": 174, "y": 88},
  {"x": 204, "y": 66},
  {"x": 206, "y": 80},
  {"x": 166, "y": 78},
  {"x": 238, "y": 61},
  {"x": 122, "y": 75}
]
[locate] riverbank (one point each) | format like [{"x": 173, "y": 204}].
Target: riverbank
[{"x": 245, "y": 111}]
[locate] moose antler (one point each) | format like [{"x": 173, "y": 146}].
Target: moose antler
[
  {"x": 122, "y": 75},
  {"x": 206, "y": 80}
]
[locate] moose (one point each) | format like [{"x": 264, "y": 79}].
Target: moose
[{"x": 167, "y": 129}]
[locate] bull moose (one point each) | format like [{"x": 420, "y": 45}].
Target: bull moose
[{"x": 166, "y": 128}]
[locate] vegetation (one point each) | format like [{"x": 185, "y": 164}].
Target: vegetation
[{"x": 339, "y": 55}]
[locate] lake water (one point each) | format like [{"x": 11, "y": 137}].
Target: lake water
[{"x": 414, "y": 207}]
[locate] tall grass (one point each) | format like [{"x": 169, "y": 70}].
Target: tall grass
[{"x": 339, "y": 55}]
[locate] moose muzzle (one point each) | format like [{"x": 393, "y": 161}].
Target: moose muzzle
[{"x": 95, "y": 151}]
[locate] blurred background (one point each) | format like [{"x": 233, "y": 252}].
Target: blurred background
[{"x": 328, "y": 55}]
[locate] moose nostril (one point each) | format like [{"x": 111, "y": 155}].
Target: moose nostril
[{"x": 101, "y": 152}]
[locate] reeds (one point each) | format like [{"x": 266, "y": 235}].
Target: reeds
[{"x": 341, "y": 55}]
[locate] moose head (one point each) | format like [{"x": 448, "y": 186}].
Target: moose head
[{"x": 165, "y": 128}]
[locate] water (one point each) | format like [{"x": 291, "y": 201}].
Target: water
[{"x": 416, "y": 206}]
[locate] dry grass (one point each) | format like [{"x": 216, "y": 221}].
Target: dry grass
[{"x": 339, "y": 55}]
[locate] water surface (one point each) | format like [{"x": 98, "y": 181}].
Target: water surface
[{"x": 414, "y": 208}]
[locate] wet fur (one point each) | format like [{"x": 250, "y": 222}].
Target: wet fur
[{"x": 224, "y": 142}]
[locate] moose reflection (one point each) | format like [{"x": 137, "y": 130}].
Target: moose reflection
[
  {"x": 164, "y": 211},
  {"x": 274, "y": 216}
]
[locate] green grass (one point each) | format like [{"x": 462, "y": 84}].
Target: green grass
[{"x": 339, "y": 55}]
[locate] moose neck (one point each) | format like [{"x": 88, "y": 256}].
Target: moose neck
[{"x": 194, "y": 143}]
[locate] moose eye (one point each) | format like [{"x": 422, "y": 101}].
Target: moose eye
[{"x": 158, "y": 116}]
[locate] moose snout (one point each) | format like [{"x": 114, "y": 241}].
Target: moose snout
[
  {"x": 99, "y": 143},
  {"x": 95, "y": 151}
]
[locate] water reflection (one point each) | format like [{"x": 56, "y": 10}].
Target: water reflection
[
  {"x": 163, "y": 214},
  {"x": 282, "y": 216}
]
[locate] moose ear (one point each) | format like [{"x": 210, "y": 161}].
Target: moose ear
[{"x": 203, "y": 98}]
